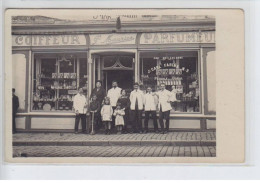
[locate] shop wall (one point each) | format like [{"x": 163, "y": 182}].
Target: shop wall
[
  {"x": 211, "y": 82},
  {"x": 19, "y": 70},
  {"x": 60, "y": 123}
]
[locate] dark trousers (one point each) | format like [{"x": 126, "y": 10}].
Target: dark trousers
[
  {"x": 99, "y": 123},
  {"x": 136, "y": 120},
  {"x": 113, "y": 119},
  {"x": 164, "y": 115},
  {"x": 83, "y": 122},
  {"x": 95, "y": 121},
  {"x": 14, "y": 125},
  {"x": 147, "y": 115}
]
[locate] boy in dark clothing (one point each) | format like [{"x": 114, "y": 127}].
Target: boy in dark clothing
[{"x": 94, "y": 107}]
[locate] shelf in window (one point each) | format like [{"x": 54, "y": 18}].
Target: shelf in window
[{"x": 57, "y": 78}]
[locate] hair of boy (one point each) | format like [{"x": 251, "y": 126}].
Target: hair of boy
[
  {"x": 99, "y": 81},
  {"x": 114, "y": 81}
]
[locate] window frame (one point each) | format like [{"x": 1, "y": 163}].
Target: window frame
[
  {"x": 200, "y": 74},
  {"x": 32, "y": 79}
]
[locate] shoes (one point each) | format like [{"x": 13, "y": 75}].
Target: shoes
[
  {"x": 108, "y": 132},
  {"x": 156, "y": 131},
  {"x": 140, "y": 132},
  {"x": 76, "y": 132},
  {"x": 145, "y": 131},
  {"x": 119, "y": 133},
  {"x": 162, "y": 132}
]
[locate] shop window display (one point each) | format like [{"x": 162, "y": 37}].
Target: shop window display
[
  {"x": 56, "y": 81},
  {"x": 179, "y": 71}
]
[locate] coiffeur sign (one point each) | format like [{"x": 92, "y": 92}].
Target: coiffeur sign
[
  {"x": 48, "y": 40},
  {"x": 177, "y": 37}
]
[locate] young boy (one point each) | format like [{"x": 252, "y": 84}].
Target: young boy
[
  {"x": 150, "y": 103},
  {"x": 94, "y": 107}
]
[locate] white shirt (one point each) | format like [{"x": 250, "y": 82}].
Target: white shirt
[
  {"x": 164, "y": 97},
  {"x": 79, "y": 103},
  {"x": 139, "y": 95},
  {"x": 150, "y": 102},
  {"x": 114, "y": 94}
]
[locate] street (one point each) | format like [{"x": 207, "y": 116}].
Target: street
[{"x": 115, "y": 151}]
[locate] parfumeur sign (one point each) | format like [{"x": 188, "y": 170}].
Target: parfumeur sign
[
  {"x": 177, "y": 37},
  {"x": 48, "y": 40}
]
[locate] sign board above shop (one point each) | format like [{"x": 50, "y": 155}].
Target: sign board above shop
[
  {"x": 49, "y": 40},
  {"x": 177, "y": 37},
  {"x": 112, "y": 39}
]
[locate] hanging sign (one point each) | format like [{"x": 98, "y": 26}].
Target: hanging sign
[
  {"x": 48, "y": 40},
  {"x": 177, "y": 37},
  {"x": 112, "y": 39}
]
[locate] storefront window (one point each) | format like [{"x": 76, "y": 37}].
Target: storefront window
[
  {"x": 179, "y": 71},
  {"x": 56, "y": 79}
]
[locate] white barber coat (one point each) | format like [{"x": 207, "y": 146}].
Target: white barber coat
[
  {"x": 114, "y": 94},
  {"x": 164, "y": 97},
  {"x": 79, "y": 103},
  {"x": 139, "y": 95},
  {"x": 150, "y": 102}
]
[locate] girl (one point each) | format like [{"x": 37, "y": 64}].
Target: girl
[
  {"x": 125, "y": 104},
  {"x": 106, "y": 114},
  {"x": 119, "y": 119}
]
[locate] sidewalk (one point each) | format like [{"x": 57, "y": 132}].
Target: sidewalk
[{"x": 149, "y": 139}]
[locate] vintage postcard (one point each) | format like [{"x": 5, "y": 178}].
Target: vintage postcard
[{"x": 124, "y": 86}]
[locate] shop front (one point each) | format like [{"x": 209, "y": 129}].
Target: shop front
[{"x": 48, "y": 69}]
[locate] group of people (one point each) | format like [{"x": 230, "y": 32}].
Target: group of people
[{"x": 115, "y": 110}]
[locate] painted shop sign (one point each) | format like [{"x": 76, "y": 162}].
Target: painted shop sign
[
  {"x": 48, "y": 40},
  {"x": 177, "y": 37},
  {"x": 112, "y": 39}
]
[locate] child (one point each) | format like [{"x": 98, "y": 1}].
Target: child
[
  {"x": 125, "y": 104},
  {"x": 119, "y": 119},
  {"x": 94, "y": 108},
  {"x": 106, "y": 115}
]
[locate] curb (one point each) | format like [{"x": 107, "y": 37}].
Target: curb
[{"x": 117, "y": 143}]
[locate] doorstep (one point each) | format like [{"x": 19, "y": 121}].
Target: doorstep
[{"x": 149, "y": 139}]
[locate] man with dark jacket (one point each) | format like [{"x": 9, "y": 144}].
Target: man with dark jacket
[{"x": 15, "y": 108}]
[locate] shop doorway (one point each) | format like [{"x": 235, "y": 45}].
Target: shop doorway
[
  {"x": 117, "y": 66},
  {"x": 125, "y": 78}
]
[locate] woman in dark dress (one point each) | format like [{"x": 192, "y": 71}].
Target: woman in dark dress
[
  {"x": 125, "y": 104},
  {"x": 100, "y": 93}
]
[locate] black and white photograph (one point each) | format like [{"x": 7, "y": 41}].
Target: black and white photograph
[{"x": 113, "y": 83}]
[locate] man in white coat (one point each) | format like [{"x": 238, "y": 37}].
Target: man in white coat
[
  {"x": 80, "y": 108},
  {"x": 150, "y": 105},
  {"x": 114, "y": 93},
  {"x": 165, "y": 97},
  {"x": 136, "y": 107}
]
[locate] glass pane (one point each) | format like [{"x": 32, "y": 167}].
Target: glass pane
[
  {"x": 56, "y": 82},
  {"x": 127, "y": 61},
  {"x": 109, "y": 61},
  {"x": 44, "y": 96},
  {"x": 179, "y": 71}
]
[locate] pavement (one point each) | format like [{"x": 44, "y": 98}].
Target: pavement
[
  {"x": 172, "y": 144},
  {"x": 114, "y": 151}
]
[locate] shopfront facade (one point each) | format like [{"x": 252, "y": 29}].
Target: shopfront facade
[{"x": 49, "y": 64}]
